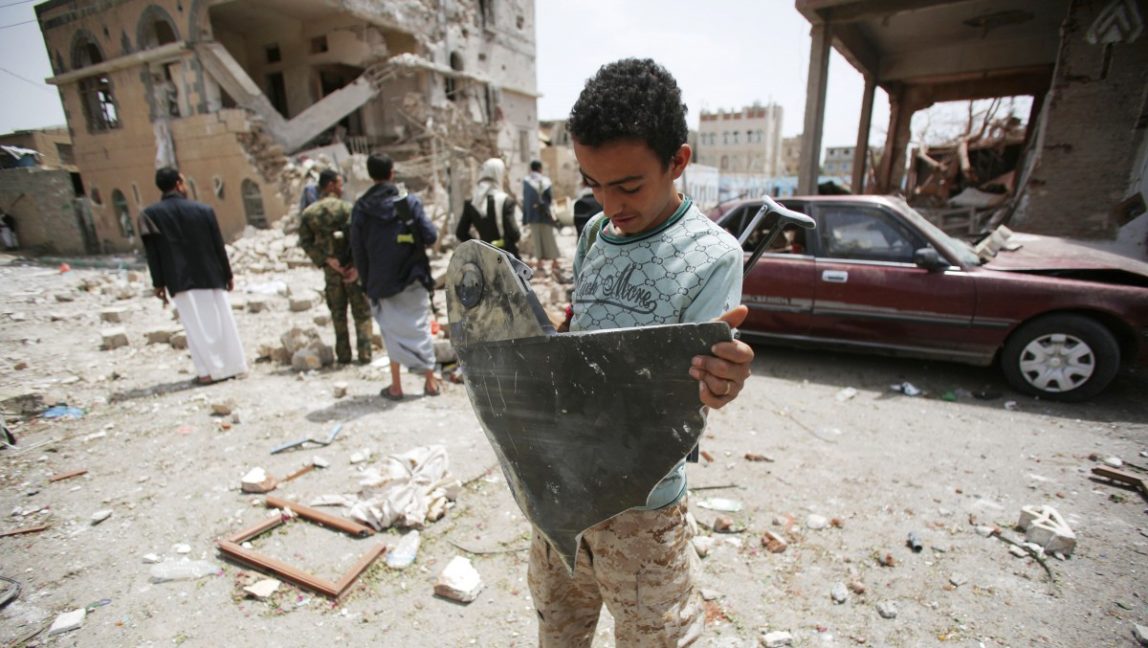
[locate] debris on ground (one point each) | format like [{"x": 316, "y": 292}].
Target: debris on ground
[
  {"x": 1045, "y": 527},
  {"x": 458, "y": 581},
  {"x": 178, "y": 570},
  {"x": 68, "y": 621}
]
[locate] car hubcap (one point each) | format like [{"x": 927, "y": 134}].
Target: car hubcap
[{"x": 1057, "y": 362}]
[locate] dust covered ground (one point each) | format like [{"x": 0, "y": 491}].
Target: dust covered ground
[{"x": 877, "y": 466}]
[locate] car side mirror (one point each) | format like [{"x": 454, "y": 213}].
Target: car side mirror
[{"x": 930, "y": 259}]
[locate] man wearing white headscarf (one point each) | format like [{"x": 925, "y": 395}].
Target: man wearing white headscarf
[{"x": 491, "y": 212}]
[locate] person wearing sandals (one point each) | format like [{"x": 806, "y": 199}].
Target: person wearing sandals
[{"x": 389, "y": 236}]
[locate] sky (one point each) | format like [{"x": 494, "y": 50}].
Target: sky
[{"x": 725, "y": 54}]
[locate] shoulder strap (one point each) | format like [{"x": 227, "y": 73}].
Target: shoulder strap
[{"x": 594, "y": 231}]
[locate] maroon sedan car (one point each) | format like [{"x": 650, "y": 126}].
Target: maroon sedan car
[{"x": 1060, "y": 318}]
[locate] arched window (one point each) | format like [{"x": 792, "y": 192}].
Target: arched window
[
  {"x": 96, "y": 95},
  {"x": 253, "y": 204},
  {"x": 123, "y": 214},
  {"x": 192, "y": 188}
]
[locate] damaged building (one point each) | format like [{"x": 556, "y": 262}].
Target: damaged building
[
  {"x": 1077, "y": 168},
  {"x": 234, "y": 92}
]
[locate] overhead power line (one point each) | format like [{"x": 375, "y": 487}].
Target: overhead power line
[
  {"x": 26, "y": 22},
  {"x": 41, "y": 86}
]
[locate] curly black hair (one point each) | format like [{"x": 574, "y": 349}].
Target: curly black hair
[{"x": 631, "y": 99}]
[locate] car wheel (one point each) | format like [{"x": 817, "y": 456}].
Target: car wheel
[{"x": 1061, "y": 357}]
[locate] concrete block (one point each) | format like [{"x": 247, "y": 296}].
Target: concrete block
[
  {"x": 256, "y": 305},
  {"x": 1044, "y": 526},
  {"x": 68, "y": 621},
  {"x": 300, "y": 304},
  {"x": 178, "y": 340},
  {"x": 159, "y": 335},
  {"x": 113, "y": 315},
  {"x": 113, "y": 338}
]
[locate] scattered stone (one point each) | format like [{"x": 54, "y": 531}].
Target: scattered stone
[
  {"x": 151, "y": 559},
  {"x": 113, "y": 315},
  {"x": 258, "y": 481},
  {"x": 68, "y": 621},
  {"x": 958, "y": 579},
  {"x": 839, "y": 593},
  {"x": 1019, "y": 552},
  {"x": 703, "y": 545},
  {"x": 256, "y": 305},
  {"x": 1140, "y": 633},
  {"x": 361, "y": 456},
  {"x": 113, "y": 338},
  {"x": 914, "y": 542},
  {"x": 20, "y": 366},
  {"x": 887, "y": 610},
  {"x": 1114, "y": 462},
  {"x": 857, "y": 587},
  {"x": 845, "y": 394},
  {"x": 300, "y": 304},
  {"x": 322, "y": 319},
  {"x": 223, "y": 408},
  {"x": 100, "y": 516},
  {"x": 64, "y": 297},
  {"x": 320, "y": 462},
  {"x": 753, "y": 456},
  {"x": 887, "y": 560},
  {"x": 777, "y": 639},
  {"x": 339, "y": 390},
  {"x": 23, "y": 404},
  {"x": 816, "y": 522},
  {"x": 458, "y": 581},
  {"x": 181, "y": 548},
  {"x": 723, "y": 524},
  {"x": 773, "y": 542},
  {"x": 159, "y": 335},
  {"x": 263, "y": 589},
  {"x": 710, "y": 595},
  {"x": 985, "y": 531},
  {"x": 178, "y": 340}
]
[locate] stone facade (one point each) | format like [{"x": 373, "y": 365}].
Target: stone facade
[
  {"x": 230, "y": 90},
  {"x": 742, "y": 141},
  {"x": 1093, "y": 140},
  {"x": 49, "y": 217}
]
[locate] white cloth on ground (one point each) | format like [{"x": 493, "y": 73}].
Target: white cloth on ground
[
  {"x": 212, "y": 336},
  {"x": 404, "y": 320}
]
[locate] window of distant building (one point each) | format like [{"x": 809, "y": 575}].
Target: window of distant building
[
  {"x": 273, "y": 53},
  {"x": 452, "y": 84},
  {"x": 66, "y": 153},
  {"x": 735, "y": 133},
  {"x": 725, "y": 137},
  {"x": 319, "y": 44},
  {"x": 96, "y": 96},
  {"x": 123, "y": 214},
  {"x": 253, "y": 204}
]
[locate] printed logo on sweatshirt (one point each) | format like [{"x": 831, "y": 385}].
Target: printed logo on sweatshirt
[{"x": 619, "y": 290}]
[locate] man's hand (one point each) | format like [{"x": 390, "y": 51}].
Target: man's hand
[
  {"x": 720, "y": 379},
  {"x": 230, "y": 284},
  {"x": 334, "y": 264},
  {"x": 350, "y": 275},
  {"x": 161, "y": 294}
]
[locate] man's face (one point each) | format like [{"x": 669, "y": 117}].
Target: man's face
[
  {"x": 635, "y": 190},
  {"x": 335, "y": 187}
]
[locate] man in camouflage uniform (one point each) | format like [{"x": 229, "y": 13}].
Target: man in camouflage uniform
[{"x": 324, "y": 235}]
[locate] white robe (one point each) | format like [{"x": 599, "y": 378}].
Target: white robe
[{"x": 212, "y": 336}]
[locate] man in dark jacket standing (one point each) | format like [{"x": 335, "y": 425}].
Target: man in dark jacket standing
[
  {"x": 389, "y": 236},
  {"x": 187, "y": 260}
]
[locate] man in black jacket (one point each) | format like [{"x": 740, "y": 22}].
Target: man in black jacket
[
  {"x": 389, "y": 236},
  {"x": 187, "y": 260}
]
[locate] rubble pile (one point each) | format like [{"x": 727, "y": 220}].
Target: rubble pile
[
  {"x": 266, "y": 250},
  {"x": 303, "y": 349}
]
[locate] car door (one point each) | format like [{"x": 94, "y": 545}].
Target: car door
[
  {"x": 779, "y": 288},
  {"x": 869, "y": 292}
]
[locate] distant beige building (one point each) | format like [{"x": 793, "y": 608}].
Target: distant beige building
[
  {"x": 838, "y": 161},
  {"x": 54, "y": 146},
  {"x": 228, "y": 90},
  {"x": 790, "y": 155},
  {"x": 741, "y": 141}
]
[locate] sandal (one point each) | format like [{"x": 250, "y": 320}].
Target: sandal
[
  {"x": 386, "y": 393},
  {"x": 437, "y": 391},
  {"x": 202, "y": 381}
]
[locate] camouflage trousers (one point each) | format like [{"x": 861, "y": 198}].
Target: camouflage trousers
[
  {"x": 640, "y": 563},
  {"x": 339, "y": 295}
]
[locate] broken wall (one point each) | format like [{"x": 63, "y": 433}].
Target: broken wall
[
  {"x": 43, "y": 203},
  {"x": 1095, "y": 128}
]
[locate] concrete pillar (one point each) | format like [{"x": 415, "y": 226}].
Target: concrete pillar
[
  {"x": 892, "y": 169},
  {"x": 809, "y": 166},
  {"x": 861, "y": 152}
]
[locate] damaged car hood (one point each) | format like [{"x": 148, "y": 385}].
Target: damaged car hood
[{"x": 1022, "y": 252}]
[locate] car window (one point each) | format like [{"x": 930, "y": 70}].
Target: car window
[
  {"x": 866, "y": 233},
  {"x": 790, "y": 241}
]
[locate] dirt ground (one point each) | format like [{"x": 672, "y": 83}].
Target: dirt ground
[{"x": 879, "y": 465}]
